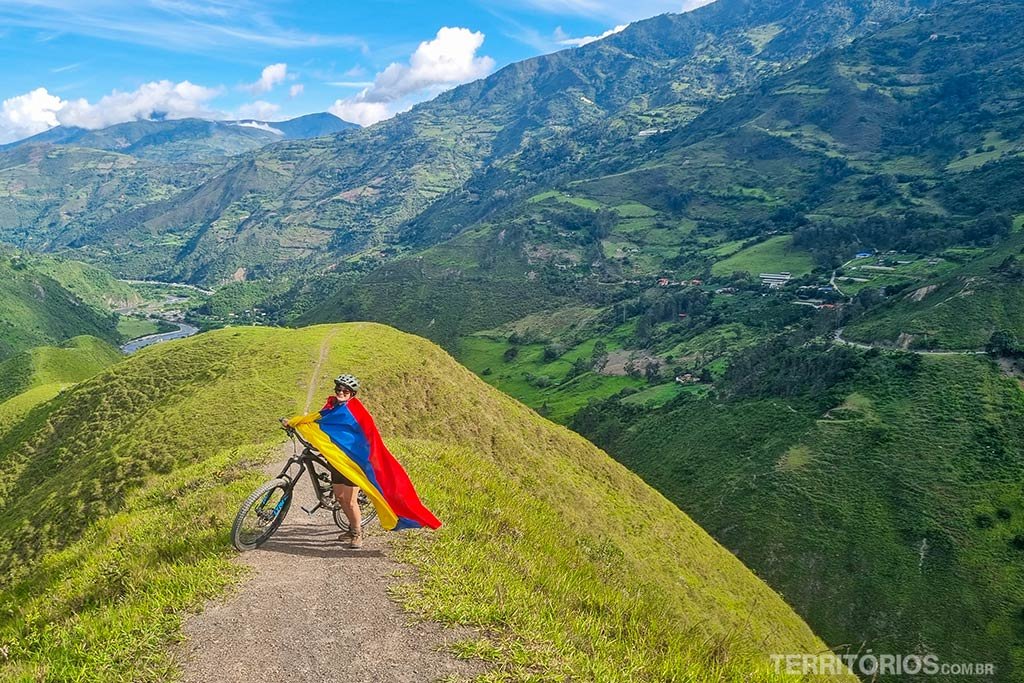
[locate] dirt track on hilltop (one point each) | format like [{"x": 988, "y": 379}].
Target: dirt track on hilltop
[{"x": 314, "y": 611}]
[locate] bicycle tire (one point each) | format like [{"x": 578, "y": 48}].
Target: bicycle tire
[
  {"x": 367, "y": 513},
  {"x": 265, "y": 523}
]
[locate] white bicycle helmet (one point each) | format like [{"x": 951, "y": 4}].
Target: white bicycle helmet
[{"x": 349, "y": 381}]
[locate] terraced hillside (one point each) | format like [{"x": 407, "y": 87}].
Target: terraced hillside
[{"x": 116, "y": 498}]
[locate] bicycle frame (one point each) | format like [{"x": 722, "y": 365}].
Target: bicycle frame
[{"x": 305, "y": 461}]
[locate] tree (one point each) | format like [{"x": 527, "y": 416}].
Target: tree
[
  {"x": 651, "y": 371},
  {"x": 1003, "y": 343},
  {"x": 599, "y": 356}
]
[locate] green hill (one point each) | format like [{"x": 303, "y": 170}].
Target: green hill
[
  {"x": 93, "y": 285},
  {"x": 188, "y": 140},
  {"x": 32, "y": 377},
  {"x": 116, "y": 496},
  {"x": 880, "y": 493},
  {"x": 36, "y": 310}
]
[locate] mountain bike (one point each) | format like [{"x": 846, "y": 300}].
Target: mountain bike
[{"x": 263, "y": 511}]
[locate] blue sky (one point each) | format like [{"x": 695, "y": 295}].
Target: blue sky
[{"x": 97, "y": 62}]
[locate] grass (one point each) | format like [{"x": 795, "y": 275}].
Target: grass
[
  {"x": 774, "y": 255},
  {"x": 969, "y": 303},
  {"x": 36, "y": 310},
  {"x": 565, "y": 198},
  {"x": 133, "y": 328},
  {"x": 878, "y": 517},
  {"x": 55, "y": 367},
  {"x": 570, "y": 565},
  {"x": 556, "y": 395},
  {"x": 658, "y": 395}
]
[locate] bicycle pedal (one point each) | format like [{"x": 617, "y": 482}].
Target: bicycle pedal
[{"x": 315, "y": 508}]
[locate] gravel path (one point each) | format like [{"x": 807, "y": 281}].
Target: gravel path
[{"x": 290, "y": 622}]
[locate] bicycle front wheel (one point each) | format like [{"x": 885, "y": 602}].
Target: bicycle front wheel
[{"x": 261, "y": 514}]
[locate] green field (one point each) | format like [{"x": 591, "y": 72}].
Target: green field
[
  {"x": 543, "y": 385},
  {"x": 774, "y": 255},
  {"x": 133, "y": 328},
  {"x": 36, "y": 376}
]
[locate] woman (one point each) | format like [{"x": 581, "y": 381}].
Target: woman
[{"x": 345, "y": 434}]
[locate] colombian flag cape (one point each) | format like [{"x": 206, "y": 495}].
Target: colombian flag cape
[{"x": 346, "y": 436}]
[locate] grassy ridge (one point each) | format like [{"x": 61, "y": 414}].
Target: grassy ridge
[
  {"x": 581, "y": 570},
  {"x": 879, "y": 517},
  {"x": 93, "y": 285},
  {"x": 36, "y": 310},
  {"x": 78, "y": 359}
]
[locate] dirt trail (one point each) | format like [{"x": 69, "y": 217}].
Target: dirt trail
[
  {"x": 325, "y": 347},
  {"x": 292, "y": 619}
]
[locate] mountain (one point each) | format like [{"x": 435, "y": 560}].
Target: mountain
[
  {"x": 36, "y": 310},
  {"x": 56, "y": 195},
  {"x": 115, "y": 497},
  {"x": 471, "y": 149},
  {"x": 308, "y": 126},
  {"x": 188, "y": 140},
  {"x": 864, "y": 148},
  {"x": 879, "y": 493}
]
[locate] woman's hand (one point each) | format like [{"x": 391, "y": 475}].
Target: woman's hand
[{"x": 284, "y": 423}]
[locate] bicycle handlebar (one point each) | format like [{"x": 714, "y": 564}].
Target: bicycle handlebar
[{"x": 292, "y": 432}]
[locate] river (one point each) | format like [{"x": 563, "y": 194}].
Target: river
[{"x": 184, "y": 330}]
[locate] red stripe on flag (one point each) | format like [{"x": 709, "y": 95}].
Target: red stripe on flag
[{"x": 391, "y": 477}]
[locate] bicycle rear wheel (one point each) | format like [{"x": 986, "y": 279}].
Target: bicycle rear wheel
[
  {"x": 261, "y": 514},
  {"x": 366, "y": 511}
]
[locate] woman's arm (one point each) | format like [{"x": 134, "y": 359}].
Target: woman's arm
[{"x": 303, "y": 419}]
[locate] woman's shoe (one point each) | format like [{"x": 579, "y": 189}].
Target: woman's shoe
[{"x": 357, "y": 541}]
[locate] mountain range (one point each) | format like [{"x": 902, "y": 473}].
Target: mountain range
[
  {"x": 466, "y": 152},
  {"x": 182, "y": 140}
]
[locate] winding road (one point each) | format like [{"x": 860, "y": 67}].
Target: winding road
[{"x": 838, "y": 338}]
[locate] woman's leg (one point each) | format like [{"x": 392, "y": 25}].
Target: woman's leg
[{"x": 346, "y": 497}]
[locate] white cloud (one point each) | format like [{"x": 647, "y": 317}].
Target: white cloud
[
  {"x": 363, "y": 113},
  {"x": 296, "y": 90},
  {"x": 38, "y": 110},
  {"x": 447, "y": 60},
  {"x": 271, "y": 76},
  {"x": 159, "y": 99},
  {"x": 258, "y": 110},
  {"x": 577, "y": 42},
  {"x": 28, "y": 114},
  {"x": 261, "y": 126}
]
